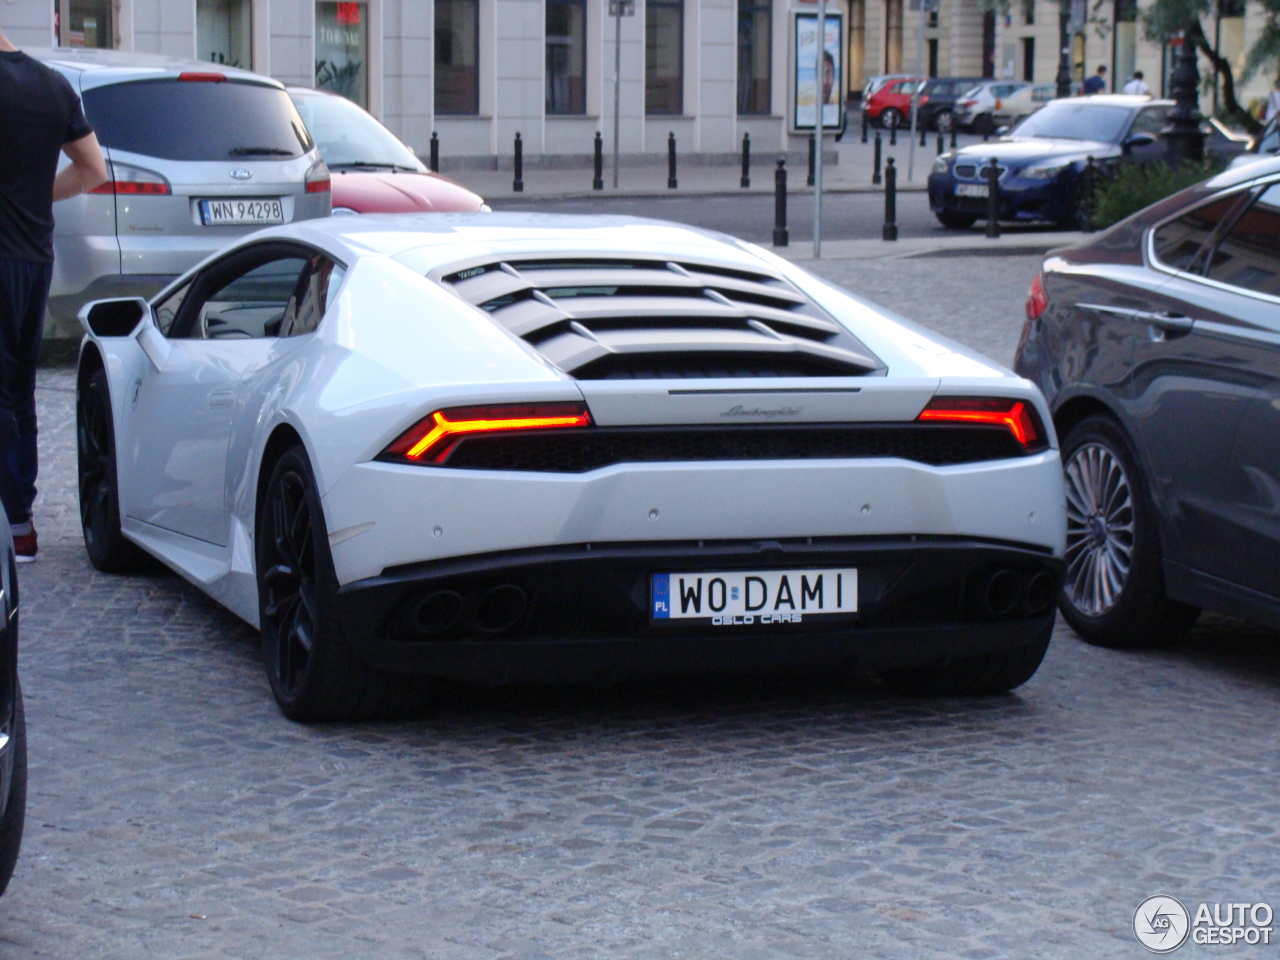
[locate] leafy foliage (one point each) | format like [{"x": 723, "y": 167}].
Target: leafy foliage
[{"x": 1130, "y": 187}]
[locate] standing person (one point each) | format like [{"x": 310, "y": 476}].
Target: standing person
[
  {"x": 1273, "y": 102},
  {"x": 40, "y": 115},
  {"x": 1098, "y": 82},
  {"x": 1136, "y": 87}
]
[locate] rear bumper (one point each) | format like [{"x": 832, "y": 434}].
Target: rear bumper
[{"x": 584, "y": 609}]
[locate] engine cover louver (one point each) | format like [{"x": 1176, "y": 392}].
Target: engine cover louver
[{"x": 633, "y": 318}]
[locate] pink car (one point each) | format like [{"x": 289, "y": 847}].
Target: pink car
[{"x": 371, "y": 171}]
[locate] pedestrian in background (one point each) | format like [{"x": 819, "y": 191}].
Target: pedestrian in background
[
  {"x": 1136, "y": 87},
  {"x": 40, "y": 115},
  {"x": 1097, "y": 83},
  {"x": 1273, "y": 102}
]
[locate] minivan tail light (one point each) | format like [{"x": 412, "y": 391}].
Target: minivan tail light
[
  {"x": 198, "y": 77},
  {"x": 432, "y": 439},
  {"x": 317, "y": 178},
  {"x": 1016, "y": 416},
  {"x": 128, "y": 180}
]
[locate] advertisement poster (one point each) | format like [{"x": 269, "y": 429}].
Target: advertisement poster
[
  {"x": 832, "y": 73},
  {"x": 342, "y": 49}
]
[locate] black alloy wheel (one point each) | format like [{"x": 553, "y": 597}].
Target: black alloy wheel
[
  {"x": 99, "y": 488},
  {"x": 314, "y": 673},
  {"x": 1113, "y": 595}
]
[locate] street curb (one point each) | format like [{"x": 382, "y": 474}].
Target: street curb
[{"x": 674, "y": 194}]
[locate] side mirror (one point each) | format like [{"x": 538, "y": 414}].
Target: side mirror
[
  {"x": 113, "y": 318},
  {"x": 1138, "y": 140},
  {"x": 1003, "y": 131}
]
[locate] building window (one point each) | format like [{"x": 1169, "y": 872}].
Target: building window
[
  {"x": 86, "y": 23},
  {"x": 224, "y": 31},
  {"x": 1029, "y": 12},
  {"x": 1029, "y": 59},
  {"x": 932, "y": 21},
  {"x": 933, "y": 56},
  {"x": 342, "y": 50},
  {"x": 566, "y": 56},
  {"x": 755, "y": 56},
  {"x": 458, "y": 56},
  {"x": 664, "y": 57}
]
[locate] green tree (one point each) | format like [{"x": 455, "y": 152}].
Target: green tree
[{"x": 1166, "y": 19}]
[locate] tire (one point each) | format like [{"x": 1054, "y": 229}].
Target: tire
[
  {"x": 314, "y": 673},
  {"x": 956, "y": 221},
  {"x": 1114, "y": 590},
  {"x": 890, "y": 117},
  {"x": 944, "y": 121},
  {"x": 15, "y": 811},
  {"x": 99, "y": 487},
  {"x": 986, "y": 675}
]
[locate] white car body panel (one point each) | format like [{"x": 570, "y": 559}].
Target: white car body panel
[{"x": 192, "y": 424}]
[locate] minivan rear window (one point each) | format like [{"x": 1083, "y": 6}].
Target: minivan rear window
[{"x": 197, "y": 120}]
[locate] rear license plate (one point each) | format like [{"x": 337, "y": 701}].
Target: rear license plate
[
  {"x": 971, "y": 190},
  {"x": 744, "y": 597},
  {"x": 240, "y": 212}
]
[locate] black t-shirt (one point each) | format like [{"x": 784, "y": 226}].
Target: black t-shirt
[{"x": 39, "y": 112}]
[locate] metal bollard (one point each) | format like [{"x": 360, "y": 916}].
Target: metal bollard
[
  {"x": 517, "y": 181},
  {"x": 923, "y": 133},
  {"x": 875, "y": 170},
  {"x": 1084, "y": 218},
  {"x": 893, "y": 135},
  {"x": 746, "y": 161},
  {"x": 890, "y": 231},
  {"x": 986, "y": 132},
  {"x": 671, "y": 161},
  {"x": 993, "y": 199},
  {"x": 780, "y": 235},
  {"x": 435, "y": 152},
  {"x": 941, "y": 143},
  {"x": 864, "y": 126},
  {"x": 953, "y": 134},
  {"x": 812, "y": 147},
  {"x": 597, "y": 179}
]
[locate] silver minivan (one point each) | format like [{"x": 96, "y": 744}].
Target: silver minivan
[{"x": 199, "y": 155}]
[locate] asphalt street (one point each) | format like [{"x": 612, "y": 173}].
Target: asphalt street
[{"x": 174, "y": 813}]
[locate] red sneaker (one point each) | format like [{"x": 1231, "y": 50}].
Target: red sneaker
[{"x": 24, "y": 543}]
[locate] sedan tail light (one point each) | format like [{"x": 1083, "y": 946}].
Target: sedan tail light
[
  {"x": 317, "y": 178},
  {"x": 198, "y": 77},
  {"x": 432, "y": 439},
  {"x": 967, "y": 103},
  {"x": 1037, "y": 302},
  {"x": 1016, "y": 416},
  {"x": 128, "y": 180}
]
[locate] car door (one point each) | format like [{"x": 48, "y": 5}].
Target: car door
[
  {"x": 220, "y": 325},
  {"x": 1149, "y": 122},
  {"x": 1237, "y": 302},
  {"x": 1191, "y": 382}
]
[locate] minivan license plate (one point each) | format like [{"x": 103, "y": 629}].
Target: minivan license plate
[
  {"x": 240, "y": 212},
  {"x": 745, "y": 597}
]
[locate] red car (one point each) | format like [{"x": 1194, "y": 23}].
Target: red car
[
  {"x": 890, "y": 106},
  {"x": 371, "y": 171}
]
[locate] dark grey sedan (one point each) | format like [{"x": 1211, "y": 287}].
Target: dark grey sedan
[{"x": 1157, "y": 344}]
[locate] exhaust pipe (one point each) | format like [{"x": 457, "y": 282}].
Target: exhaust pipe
[
  {"x": 1001, "y": 593},
  {"x": 500, "y": 608},
  {"x": 1040, "y": 592},
  {"x": 438, "y": 612}
]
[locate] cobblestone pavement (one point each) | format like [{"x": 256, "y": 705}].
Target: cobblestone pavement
[{"x": 175, "y": 814}]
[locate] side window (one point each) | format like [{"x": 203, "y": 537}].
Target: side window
[
  {"x": 1151, "y": 120},
  {"x": 1178, "y": 241},
  {"x": 316, "y": 285},
  {"x": 1249, "y": 255},
  {"x": 251, "y": 305},
  {"x": 167, "y": 309}
]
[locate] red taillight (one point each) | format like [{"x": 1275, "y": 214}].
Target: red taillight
[
  {"x": 433, "y": 438},
  {"x": 1037, "y": 302},
  {"x": 317, "y": 178},
  {"x": 924, "y": 99},
  {"x": 130, "y": 187},
  {"x": 1016, "y": 416},
  {"x": 318, "y": 186},
  {"x": 197, "y": 77}
]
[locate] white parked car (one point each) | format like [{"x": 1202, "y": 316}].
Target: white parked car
[
  {"x": 976, "y": 109},
  {"x": 520, "y": 446},
  {"x": 1012, "y": 108}
]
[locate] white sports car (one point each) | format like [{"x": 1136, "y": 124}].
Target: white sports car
[{"x": 503, "y": 448}]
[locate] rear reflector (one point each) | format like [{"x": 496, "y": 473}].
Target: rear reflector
[
  {"x": 196, "y": 77},
  {"x": 432, "y": 438},
  {"x": 1016, "y": 416}
]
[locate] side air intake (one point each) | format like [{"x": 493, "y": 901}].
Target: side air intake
[{"x": 600, "y": 318}]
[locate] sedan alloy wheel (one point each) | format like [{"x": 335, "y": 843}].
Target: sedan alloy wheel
[{"x": 1100, "y": 526}]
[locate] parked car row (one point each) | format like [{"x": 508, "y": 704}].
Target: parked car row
[{"x": 200, "y": 156}]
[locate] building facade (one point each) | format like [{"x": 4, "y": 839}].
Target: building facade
[{"x": 476, "y": 72}]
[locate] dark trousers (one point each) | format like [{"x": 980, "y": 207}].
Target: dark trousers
[{"x": 24, "y": 291}]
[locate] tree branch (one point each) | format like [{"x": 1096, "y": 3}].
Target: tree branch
[{"x": 1195, "y": 34}]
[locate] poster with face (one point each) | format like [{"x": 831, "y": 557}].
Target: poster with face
[{"x": 832, "y": 81}]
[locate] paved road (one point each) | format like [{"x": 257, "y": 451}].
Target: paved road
[
  {"x": 175, "y": 814},
  {"x": 846, "y": 216}
]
